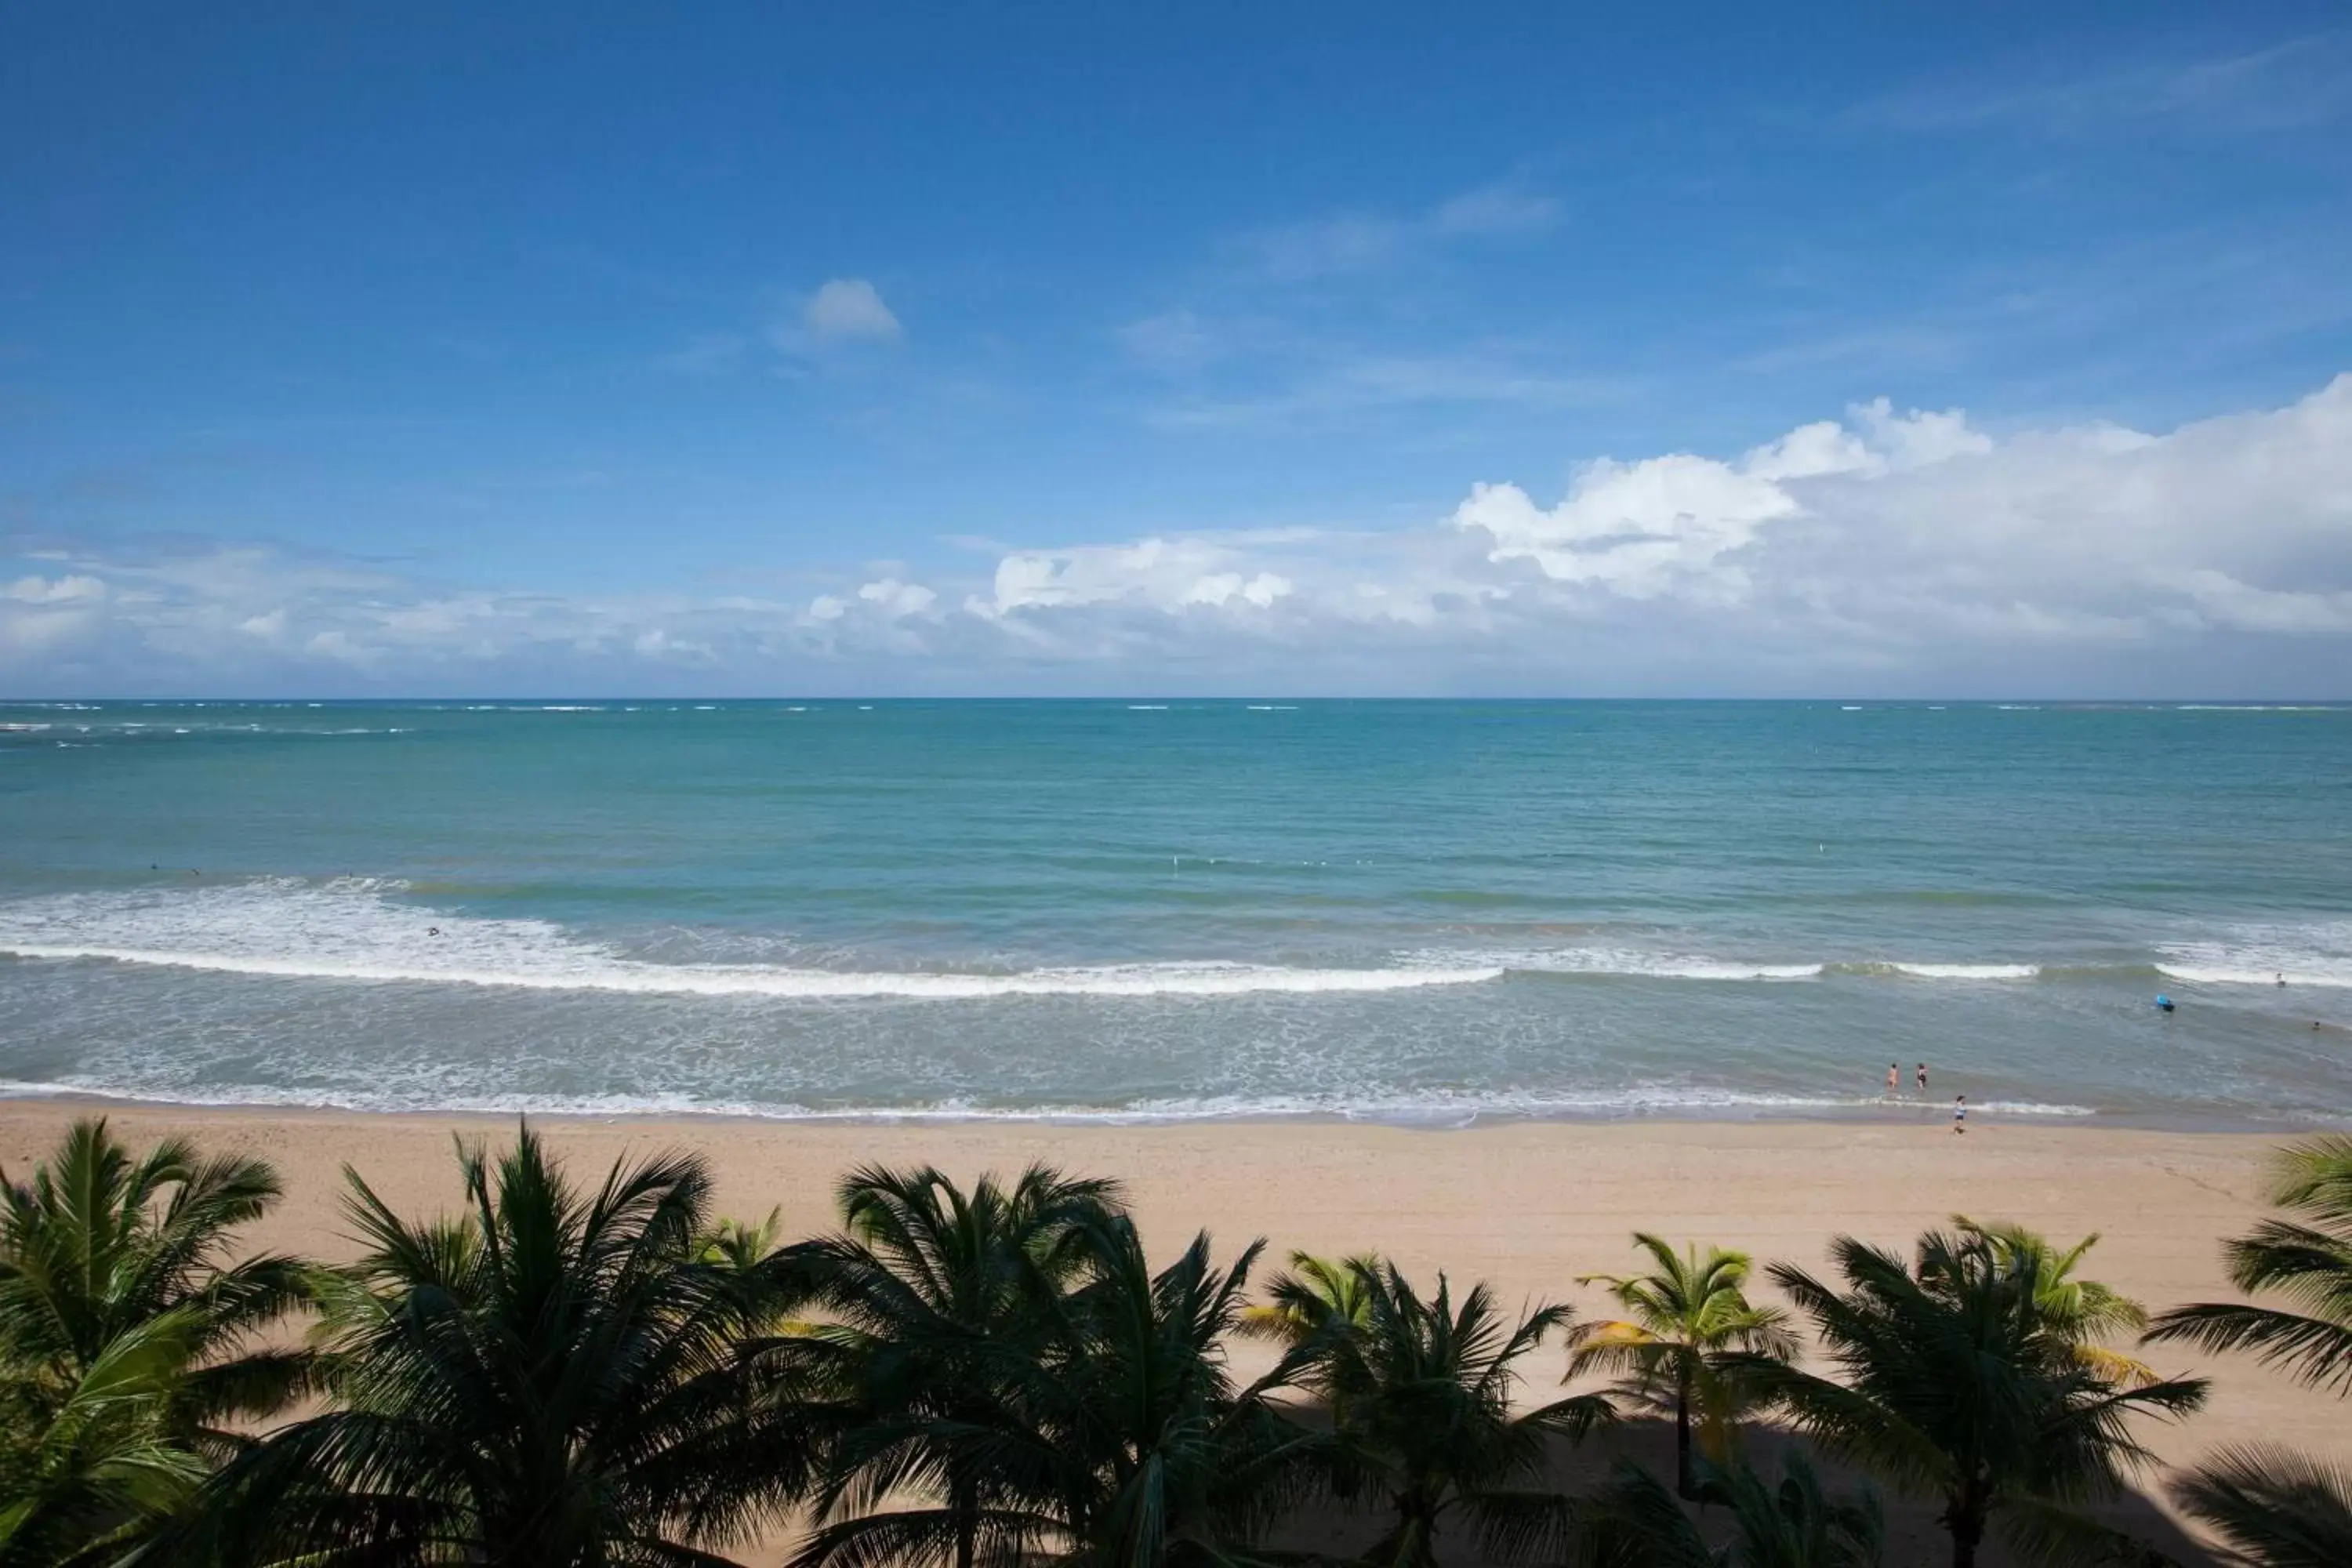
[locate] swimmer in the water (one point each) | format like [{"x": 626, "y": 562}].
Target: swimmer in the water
[{"x": 432, "y": 931}]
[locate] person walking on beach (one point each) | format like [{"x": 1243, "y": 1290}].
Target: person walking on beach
[
  {"x": 1894, "y": 1080},
  {"x": 1960, "y": 1116},
  {"x": 1922, "y": 1078}
]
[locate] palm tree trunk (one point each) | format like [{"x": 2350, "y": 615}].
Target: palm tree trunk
[
  {"x": 967, "y": 1512},
  {"x": 1965, "y": 1519},
  {"x": 1685, "y": 1483}
]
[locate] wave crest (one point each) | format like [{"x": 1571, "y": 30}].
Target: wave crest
[{"x": 351, "y": 931}]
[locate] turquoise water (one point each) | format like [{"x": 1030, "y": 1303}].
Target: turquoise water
[{"x": 1416, "y": 911}]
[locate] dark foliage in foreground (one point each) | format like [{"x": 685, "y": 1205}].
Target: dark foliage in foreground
[
  {"x": 997, "y": 1377},
  {"x": 551, "y": 1378},
  {"x": 1960, "y": 1383}
]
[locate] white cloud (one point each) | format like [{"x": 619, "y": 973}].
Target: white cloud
[
  {"x": 66, "y": 590},
  {"x": 1884, "y": 551},
  {"x": 849, "y": 307},
  {"x": 898, "y": 600},
  {"x": 1680, "y": 523}
]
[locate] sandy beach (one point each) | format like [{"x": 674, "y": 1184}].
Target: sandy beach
[{"x": 1526, "y": 1207}]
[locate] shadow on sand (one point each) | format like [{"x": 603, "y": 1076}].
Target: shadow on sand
[{"x": 1913, "y": 1538}]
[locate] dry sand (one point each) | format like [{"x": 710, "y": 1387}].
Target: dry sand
[{"x": 1526, "y": 1207}]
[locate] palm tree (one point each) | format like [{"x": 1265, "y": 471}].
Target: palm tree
[
  {"x": 97, "y": 1244},
  {"x": 1180, "y": 1466},
  {"x": 1313, "y": 1296},
  {"x": 550, "y": 1378},
  {"x": 1102, "y": 1425},
  {"x": 87, "y": 1467},
  {"x": 1420, "y": 1392},
  {"x": 1635, "y": 1521},
  {"x": 2307, "y": 1261},
  {"x": 1959, "y": 1385},
  {"x": 2275, "y": 1507},
  {"x": 2083, "y": 1310},
  {"x": 941, "y": 1298},
  {"x": 1680, "y": 1318}
]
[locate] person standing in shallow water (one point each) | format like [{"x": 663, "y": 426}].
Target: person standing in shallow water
[
  {"x": 1959, "y": 1115},
  {"x": 1894, "y": 1080},
  {"x": 1922, "y": 1078}
]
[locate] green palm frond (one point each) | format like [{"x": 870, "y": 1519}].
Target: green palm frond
[
  {"x": 95, "y": 1465},
  {"x": 98, "y": 1241},
  {"x": 1683, "y": 1317},
  {"x": 2304, "y": 1260},
  {"x": 1314, "y": 1296},
  {"x": 1961, "y": 1376},
  {"x": 1423, "y": 1394},
  {"x": 134, "y": 1341},
  {"x": 559, "y": 1376},
  {"x": 2274, "y": 1509}
]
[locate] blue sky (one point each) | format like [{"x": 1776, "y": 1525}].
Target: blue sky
[{"x": 1215, "y": 348}]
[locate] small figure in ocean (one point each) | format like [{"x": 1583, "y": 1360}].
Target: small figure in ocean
[
  {"x": 1894, "y": 1080},
  {"x": 1960, "y": 1115},
  {"x": 432, "y": 931},
  {"x": 2164, "y": 1004},
  {"x": 1922, "y": 1078},
  {"x": 2281, "y": 979}
]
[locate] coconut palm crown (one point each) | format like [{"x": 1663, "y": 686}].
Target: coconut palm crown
[
  {"x": 1681, "y": 1317},
  {"x": 100, "y": 1242},
  {"x": 1958, "y": 1385},
  {"x": 552, "y": 1377},
  {"x": 2273, "y": 1506},
  {"x": 1102, "y": 1427},
  {"x": 941, "y": 1300},
  {"x": 2305, "y": 1259},
  {"x": 1421, "y": 1392}
]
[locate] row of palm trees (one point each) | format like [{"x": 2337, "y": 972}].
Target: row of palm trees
[{"x": 998, "y": 1375}]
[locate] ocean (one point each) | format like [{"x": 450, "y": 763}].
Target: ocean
[{"x": 1423, "y": 912}]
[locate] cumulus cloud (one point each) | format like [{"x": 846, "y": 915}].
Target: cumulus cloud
[
  {"x": 1887, "y": 550},
  {"x": 849, "y": 307},
  {"x": 1682, "y": 524}
]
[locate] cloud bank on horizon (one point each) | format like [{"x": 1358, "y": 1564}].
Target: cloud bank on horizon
[
  {"x": 1212, "y": 350},
  {"x": 1888, "y": 552}
]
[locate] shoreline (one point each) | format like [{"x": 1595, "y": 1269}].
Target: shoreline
[{"x": 1905, "y": 1111}]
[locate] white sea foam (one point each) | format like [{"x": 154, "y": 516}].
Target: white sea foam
[
  {"x": 1958, "y": 971},
  {"x": 357, "y": 930},
  {"x": 1624, "y": 960},
  {"x": 1635, "y": 963},
  {"x": 1434, "y": 1108},
  {"x": 2319, "y": 952}
]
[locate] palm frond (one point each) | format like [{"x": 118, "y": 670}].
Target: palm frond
[{"x": 2276, "y": 1508}]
